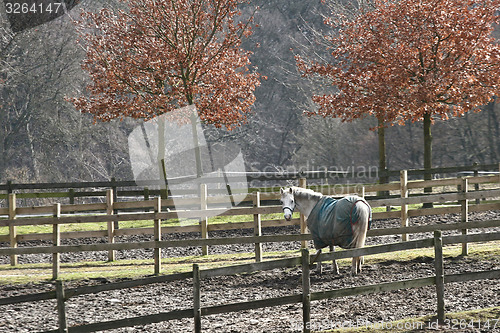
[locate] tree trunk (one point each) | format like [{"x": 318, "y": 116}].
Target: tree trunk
[
  {"x": 427, "y": 154},
  {"x": 196, "y": 142},
  {"x": 382, "y": 155},
  {"x": 493, "y": 132},
  {"x": 160, "y": 158},
  {"x": 3, "y": 161},
  {"x": 194, "y": 121},
  {"x": 36, "y": 167}
]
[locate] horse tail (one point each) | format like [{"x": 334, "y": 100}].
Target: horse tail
[
  {"x": 360, "y": 227},
  {"x": 359, "y": 230}
]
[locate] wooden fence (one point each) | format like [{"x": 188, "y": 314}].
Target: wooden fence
[
  {"x": 129, "y": 188},
  {"x": 439, "y": 279},
  {"x": 462, "y": 205},
  {"x": 461, "y": 200}
]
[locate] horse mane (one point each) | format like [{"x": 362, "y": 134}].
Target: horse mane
[{"x": 306, "y": 193}]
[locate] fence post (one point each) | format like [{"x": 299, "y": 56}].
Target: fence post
[
  {"x": 439, "y": 267},
  {"x": 498, "y": 172},
  {"x": 403, "y": 176},
  {"x": 196, "y": 298},
  {"x": 306, "y": 291},
  {"x": 204, "y": 220},
  {"x": 111, "y": 224},
  {"x": 476, "y": 185},
  {"x": 56, "y": 240},
  {"x": 257, "y": 227},
  {"x": 115, "y": 199},
  {"x": 12, "y": 227},
  {"x": 61, "y": 307},
  {"x": 146, "y": 197},
  {"x": 71, "y": 195},
  {"x": 361, "y": 191},
  {"x": 464, "y": 212},
  {"x": 303, "y": 225},
  {"x": 157, "y": 236}
]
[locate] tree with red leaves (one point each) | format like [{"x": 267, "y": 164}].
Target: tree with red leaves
[
  {"x": 162, "y": 55},
  {"x": 411, "y": 60}
]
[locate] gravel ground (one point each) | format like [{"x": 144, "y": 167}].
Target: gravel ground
[{"x": 376, "y": 308}]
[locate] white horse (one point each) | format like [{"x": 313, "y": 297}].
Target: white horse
[{"x": 342, "y": 222}]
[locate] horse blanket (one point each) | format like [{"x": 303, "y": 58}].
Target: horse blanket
[{"x": 331, "y": 221}]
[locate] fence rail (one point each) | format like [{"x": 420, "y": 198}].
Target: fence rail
[
  {"x": 403, "y": 187},
  {"x": 158, "y": 244},
  {"x": 130, "y": 187},
  {"x": 458, "y": 202},
  {"x": 258, "y": 204},
  {"x": 306, "y": 297}
]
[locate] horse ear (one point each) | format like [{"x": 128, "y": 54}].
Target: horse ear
[
  {"x": 282, "y": 190},
  {"x": 291, "y": 190}
]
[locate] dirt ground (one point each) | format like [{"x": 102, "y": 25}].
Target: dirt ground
[{"x": 368, "y": 310}]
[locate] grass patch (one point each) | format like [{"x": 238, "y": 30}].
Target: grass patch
[
  {"x": 35, "y": 273},
  {"x": 477, "y": 251},
  {"x": 133, "y": 269},
  {"x": 100, "y": 226},
  {"x": 85, "y": 227}
]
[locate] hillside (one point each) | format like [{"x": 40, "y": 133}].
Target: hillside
[{"x": 43, "y": 138}]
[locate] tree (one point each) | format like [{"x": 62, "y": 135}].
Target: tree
[
  {"x": 163, "y": 55},
  {"x": 412, "y": 60},
  {"x": 10, "y": 121},
  {"x": 34, "y": 67},
  {"x": 38, "y": 68},
  {"x": 342, "y": 13}
]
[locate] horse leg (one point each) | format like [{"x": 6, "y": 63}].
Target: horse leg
[
  {"x": 319, "y": 269},
  {"x": 354, "y": 266},
  {"x": 317, "y": 258},
  {"x": 334, "y": 262},
  {"x": 359, "y": 261}
]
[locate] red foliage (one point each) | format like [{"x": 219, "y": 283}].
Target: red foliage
[
  {"x": 162, "y": 55},
  {"x": 407, "y": 58}
]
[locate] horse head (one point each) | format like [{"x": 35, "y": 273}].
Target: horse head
[{"x": 287, "y": 202}]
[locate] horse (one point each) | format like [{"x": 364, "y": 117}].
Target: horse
[{"x": 332, "y": 222}]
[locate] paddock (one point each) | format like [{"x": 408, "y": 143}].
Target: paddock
[
  {"x": 273, "y": 297},
  {"x": 279, "y": 285}
]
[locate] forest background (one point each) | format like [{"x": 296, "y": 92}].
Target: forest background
[{"x": 44, "y": 139}]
